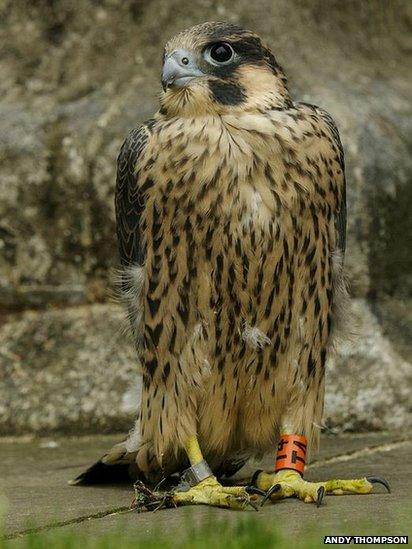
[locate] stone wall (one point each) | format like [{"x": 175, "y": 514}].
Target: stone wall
[{"x": 76, "y": 76}]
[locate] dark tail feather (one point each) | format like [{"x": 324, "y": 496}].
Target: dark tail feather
[
  {"x": 229, "y": 469},
  {"x": 102, "y": 473}
]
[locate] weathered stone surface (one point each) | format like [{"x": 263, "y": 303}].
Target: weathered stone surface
[
  {"x": 76, "y": 76},
  {"x": 70, "y": 370},
  {"x": 368, "y": 383}
]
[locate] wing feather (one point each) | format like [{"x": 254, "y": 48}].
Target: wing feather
[
  {"x": 340, "y": 214},
  {"x": 129, "y": 201}
]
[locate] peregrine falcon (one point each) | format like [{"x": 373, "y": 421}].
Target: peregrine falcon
[{"x": 231, "y": 219}]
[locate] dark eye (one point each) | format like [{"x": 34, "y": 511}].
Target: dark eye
[{"x": 221, "y": 52}]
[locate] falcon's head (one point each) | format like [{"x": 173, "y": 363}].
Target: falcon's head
[{"x": 220, "y": 67}]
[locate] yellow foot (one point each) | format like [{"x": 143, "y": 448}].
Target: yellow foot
[
  {"x": 208, "y": 492},
  {"x": 288, "y": 483}
]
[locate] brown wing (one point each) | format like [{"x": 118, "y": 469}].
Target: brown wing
[
  {"x": 340, "y": 214},
  {"x": 129, "y": 202},
  {"x": 118, "y": 464}
]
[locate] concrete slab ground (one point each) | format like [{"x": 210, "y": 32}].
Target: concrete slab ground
[{"x": 34, "y": 475}]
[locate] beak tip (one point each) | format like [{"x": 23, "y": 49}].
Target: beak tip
[{"x": 176, "y": 74}]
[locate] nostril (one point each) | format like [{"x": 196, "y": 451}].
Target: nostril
[{"x": 185, "y": 60}]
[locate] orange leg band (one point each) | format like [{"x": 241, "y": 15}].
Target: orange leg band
[{"x": 291, "y": 453}]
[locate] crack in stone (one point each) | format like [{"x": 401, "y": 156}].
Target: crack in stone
[
  {"x": 360, "y": 453},
  {"x": 77, "y": 520}
]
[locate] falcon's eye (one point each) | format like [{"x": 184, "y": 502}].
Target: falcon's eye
[{"x": 220, "y": 53}]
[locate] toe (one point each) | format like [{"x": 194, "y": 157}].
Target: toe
[
  {"x": 353, "y": 486},
  {"x": 309, "y": 492},
  {"x": 211, "y": 492},
  {"x": 263, "y": 480}
]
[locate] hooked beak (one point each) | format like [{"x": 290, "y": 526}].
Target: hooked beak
[{"x": 179, "y": 69}]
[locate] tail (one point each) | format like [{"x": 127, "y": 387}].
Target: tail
[{"x": 117, "y": 465}]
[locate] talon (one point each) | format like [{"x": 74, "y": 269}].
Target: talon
[
  {"x": 275, "y": 488},
  {"x": 253, "y": 482},
  {"x": 255, "y": 490},
  {"x": 379, "y": 480},
  {"x": 253, "y": 504},
  {"x": 321, "y": 493}
]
